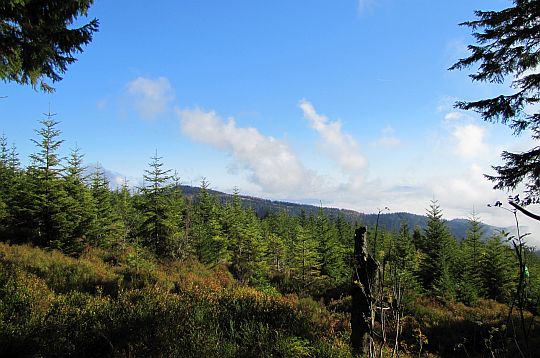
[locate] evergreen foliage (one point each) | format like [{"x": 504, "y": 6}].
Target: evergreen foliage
[
  {"x": 37, "y": 41},
  {"x": 106, "y": 229},
  {"x": 161, "y": 206},
  {"x": 79, "y": 203},
  {"x": 8, "y": 185},
  {"x": 329, "y": 247},
  {"x": 498, "y": 270},
  {"x": 507, "y": 47},
  {"x": 208, "y": 239},
  {"x": 404, "y": 258},
  {"x": 472, "y": 250},
  {"x": 130, "y": 217},
  {"x": 46, "y": 189},
  {"x": 244, "y": 232},
  {"x": 436, "y": 247},
  {"x": 305, "y": 258}
]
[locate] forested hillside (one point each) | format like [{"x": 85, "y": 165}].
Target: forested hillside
[
  {"x": 153, "y": 271},
  {"x": 388, "y": 221}
]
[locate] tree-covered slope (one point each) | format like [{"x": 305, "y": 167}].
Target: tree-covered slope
[{"x": 388, "y": 221}]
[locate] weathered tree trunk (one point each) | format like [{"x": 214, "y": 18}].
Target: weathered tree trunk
[{"x": 364, "y": 283}]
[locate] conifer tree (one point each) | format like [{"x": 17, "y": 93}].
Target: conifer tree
[
  {"x": 180, "y": 244},
  {"x": 159, "y": 228},
  {"x": 435, "y": 267},
  {"x": 47, "y": 215},
  {"x": 15, "y": 194},
  {"x": 507, "y": 49},
  {"x": 283, "y": 227},
  {"x": 107, "y": 228},
  {"x": 472, "y": 250},
  {"x": 5, "y": 174},
  {"x": 79, "y": 203},
  {"x": 497, "y": 269},
  {"x": 207, "y": 232},
  {"x": 329, "y": 247},
  {"x": 418, "y": 238},
  {"x": 6, "y": 185},
  {"x": 244, "y": 234},
  {"x": 38, "y": 41},
  {"x": 124, "y": 205},
  {"x": 276, "y": 252},
  {"x": 404, "y": 257},
  {"x": 306, "y": 261}
]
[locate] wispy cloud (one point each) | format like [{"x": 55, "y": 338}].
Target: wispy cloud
[
  {"x": 151, "y": 96},
  {"x": 271, "y": 163},
  {"x": 339, "y": 146},
  {"x": 454, "y": 116}
]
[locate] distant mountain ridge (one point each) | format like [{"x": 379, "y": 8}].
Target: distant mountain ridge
[{"x": 389, "y": 221}]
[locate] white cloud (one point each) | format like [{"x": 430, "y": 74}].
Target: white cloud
[
  {"x": 341, "y": 147},
  {"x": 151, "y": 96},
  {"x": 388, "y": 138},
  {"x": 271, "y": 163},
  {"x": 470, "y": 140},
  {"x": 468, "y": 137},
  {"x": 453, "y": 116},
  {"x": 470, "y": 185}
]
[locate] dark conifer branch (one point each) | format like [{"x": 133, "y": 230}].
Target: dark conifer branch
[
  {"x": 524, "y": 211},
  {"x": 37, "y": 41}
]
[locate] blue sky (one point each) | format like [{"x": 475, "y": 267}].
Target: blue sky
[{"x": 347, "y": 102}]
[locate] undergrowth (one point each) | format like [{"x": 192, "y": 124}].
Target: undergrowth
[{"x": 124, "y": 303}]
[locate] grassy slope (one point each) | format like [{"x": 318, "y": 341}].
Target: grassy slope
[
  {"x": 124, "y": 303},
  {"x": 128, "y": 305}
]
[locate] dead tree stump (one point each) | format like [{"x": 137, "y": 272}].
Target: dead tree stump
[{"x": 363, "y": 288}]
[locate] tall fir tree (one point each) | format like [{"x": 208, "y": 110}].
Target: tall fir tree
[
  {"x": 498, "y": 269},
  {"x": 78, "y": 202},
  {"x": 207, "y": 232},
  {"x": 329, "y": 247},
  {"x": 160, "y": 226},
  {"x": 435, "y": 267},
  {"x": 472, "y": 249},
  {"x": 180, "y": 245},
  {"x": 15, "y": 189},
  {"x": 405, "y": 260},
  {"x": 107, "y": 228},
  {"x": 47, "y": 215},
  {"x": 7, "y": 185},
  {"x": 283, "y": 228},
  {"x": 305, "y": 261},
  {"x": 244, "y": 233},
  {"x": 4, "y": 177}
]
